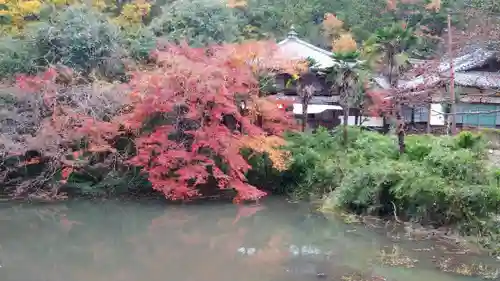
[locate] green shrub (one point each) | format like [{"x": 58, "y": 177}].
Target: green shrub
[
  {"x": 16, "y": 56},
  {"x": 438, "y": 181},
  {"x": 419, "y": 146},
  {"x": 363, "y": 187},
  {"x": 77, "y": 37},
  {"x": 468, "y": 140},
  {"x": 139, "y": 43},
  {"x": 315, "y": 168},
  {"x": 352, "y": 134},
  {"x": 99, "y": 181},
  {"x": 263, "y": 174},
  {"x": 373, "y": 146},
  {"x": 456, "y": 165}
]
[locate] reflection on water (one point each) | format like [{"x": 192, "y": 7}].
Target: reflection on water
[{"x": 274, "y": 241}]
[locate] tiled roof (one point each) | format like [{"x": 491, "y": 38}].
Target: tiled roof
[
  {"x": 296, "y": 48},
  {"x": 479, "y": 79},
  {"x": 472, "y": 60},
  {"x": 464, "y": 76}
]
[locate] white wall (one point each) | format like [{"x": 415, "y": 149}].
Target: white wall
[
  {"x": 365, "y": 121},
  {"x": 437, "y": 115}
]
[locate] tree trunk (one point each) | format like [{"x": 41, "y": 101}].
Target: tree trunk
[
  {"x": 429, "y": 115},
  {"x": 346, "y": 121},
  {"x": 400, "y": 129},
  {"x": 260, "y": 121},
  {"x": 401, "y": 141},
  {"x": 304, "y": 117}
]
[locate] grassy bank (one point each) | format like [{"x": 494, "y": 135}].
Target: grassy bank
[{"x": 438, "y": 181}]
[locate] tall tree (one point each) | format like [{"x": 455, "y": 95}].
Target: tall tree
[
  {"x": 305, "y": 90},
  {"x": 346, "y": 76},
  {"x": 199, "y": 94},
  {"x": 391, "y": 45}
]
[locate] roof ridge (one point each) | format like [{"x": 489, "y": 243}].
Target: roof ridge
[{"x": 300, "y": 41}]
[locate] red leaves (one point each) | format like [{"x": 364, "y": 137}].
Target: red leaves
[
  {"x": 65, "y": 173},
  {"x": 173, "y": 189},
  {"x": 198, "y": 173},
  {"x": 246, "y": 192},
  {"x": 185, "y": 117},
  {"x": 43, "y": 83},
  {"x": 178, "y": 154},
  {"x": 199, "y": 87},
  {"x": 379, "y": 102}
]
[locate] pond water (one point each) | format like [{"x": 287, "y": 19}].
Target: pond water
[{"x": 273, "y": 241}]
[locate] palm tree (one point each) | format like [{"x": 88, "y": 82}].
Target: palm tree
[
  {"x": 390, "y": 45},
  {"x": 346, "y": 76},
  {"x": 306, "y": 88}
]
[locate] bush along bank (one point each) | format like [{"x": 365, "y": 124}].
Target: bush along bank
[{"x": 438, "y": 181}]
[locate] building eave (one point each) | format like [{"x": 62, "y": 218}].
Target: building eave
[{"x": 309, "y": 45}]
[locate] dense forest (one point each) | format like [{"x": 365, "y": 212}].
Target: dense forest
[{"x": 37, "y": 33}]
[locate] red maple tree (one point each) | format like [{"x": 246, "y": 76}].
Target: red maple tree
[{"x": 191, "y": 114}]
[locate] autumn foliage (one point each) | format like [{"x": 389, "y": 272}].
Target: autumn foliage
[
  {"x": 331, "y": 25},
  {"x": 432, "y": 5},
  {"x": 208, "y": 100},
  {"x": 18, "y": 13},
  {"x": 188, "y": 117},
  {"x": 344, "y": 44}
]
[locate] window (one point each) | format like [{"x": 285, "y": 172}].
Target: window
[
  {"x": 421, "y": 114},
  {"x": 486, "y": 119},
  {"x": 416, "y": 114}
]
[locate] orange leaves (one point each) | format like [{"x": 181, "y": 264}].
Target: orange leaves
[
  {"x": 97, "y": 130},
  {"x": 344, "y": 44},
  {"x": 133, "y": 13},
  {"x": 342, "y": 41},
  {"x": 332, "y": 26},
  {"x": 66, "y": 121},
  {"x": 136, "y": 96},
  {"x": 392, "y": 5},
  {"x": 263, "y": 56},
  {"x": 236, "y": 3},
  {"x": 270, "y": 145},
  {"x": 434, "y": 5}
]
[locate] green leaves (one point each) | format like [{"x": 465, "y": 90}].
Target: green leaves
[
  {"x": 439, "y": 180},
  {"x": 199, "y": 22},
  {"x": 77, "y": 37},
  {"x": 347, "y": 76}
]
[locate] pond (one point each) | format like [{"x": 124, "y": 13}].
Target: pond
[{"x": 273, "y": 241}]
